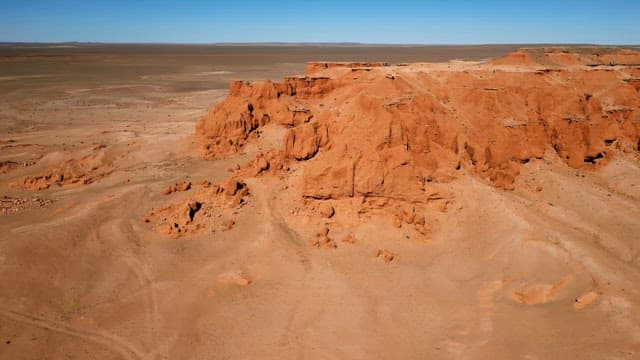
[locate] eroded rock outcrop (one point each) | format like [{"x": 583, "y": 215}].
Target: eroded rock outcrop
[
  {"x": 208, "y": 206},
  {"x": 568, "y": 57},
  {"x": 399, "y": 134},
  {"x": 251, "y": 105},
  {"x": 179, "y": 186},
  {"x": 389, "y": 137},
  {"x": 303, "y": 142},
  {"x": 79, "y": 171}
]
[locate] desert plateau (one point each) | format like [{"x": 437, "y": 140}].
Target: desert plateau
[{"x": 319, "y": 202}]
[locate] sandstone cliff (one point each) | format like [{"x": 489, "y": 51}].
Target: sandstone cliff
[{"x": 393, "y": 131}]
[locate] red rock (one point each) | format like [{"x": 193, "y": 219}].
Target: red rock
[
  {"x": 180, "y": 186},
  {"x": 80, "y": 171},
  {"x": 386, "y": 255},
  {"x": 326, "y": 210},
  {"x": 303, "y": 142},
  {"x": 358, "y": 134}
]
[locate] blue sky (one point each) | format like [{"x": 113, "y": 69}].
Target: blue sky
[{"x": 397, "y": 21}]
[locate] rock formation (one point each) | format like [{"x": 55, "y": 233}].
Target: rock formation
[
  {"x": 399, "y": 134},
  {"x": 208, "y": 206},
  {"x": 80, "y": 171},
  {"x": 394, "y": 136}
]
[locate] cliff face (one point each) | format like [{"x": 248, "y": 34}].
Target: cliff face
[{"x": 396, "y": 132}]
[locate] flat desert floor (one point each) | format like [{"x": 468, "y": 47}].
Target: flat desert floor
[{"x": 84, "y": 276}]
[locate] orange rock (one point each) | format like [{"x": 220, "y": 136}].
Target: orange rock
[
  {"x": 303, "y": 142},
  {"x": 323, "y": 230},
  {"x": 209, "y": 207},
  {"x": 322, "y": 239},
  {"x": 181, "y": 186},
  {"x": 386, "y": 255},
  {"x": 397, "y": 221},
  {"x": 355, "y": 132},
  {"x": 80, "y": 171},
  {"x": 261, "y": 164},
  {"x": 233, "y": 186},
  {"x": 326, "y": 210},
  {"x": 350, "y": 239},
  {"x": 585, "y": 300},
  {"x": 228, "y": 224}
]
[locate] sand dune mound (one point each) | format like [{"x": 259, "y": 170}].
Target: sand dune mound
[{"x": 400, "y": 132}]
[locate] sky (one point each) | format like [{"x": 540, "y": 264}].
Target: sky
[{"x": 392, "y": 21}]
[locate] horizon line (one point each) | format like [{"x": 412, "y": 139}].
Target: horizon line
[{"x": 313, "y": 43}]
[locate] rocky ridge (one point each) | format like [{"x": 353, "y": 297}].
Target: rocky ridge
[{"x": 395, "y": 136}]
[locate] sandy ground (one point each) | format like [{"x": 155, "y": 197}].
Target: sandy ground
[{"x": 83, "y": 276}]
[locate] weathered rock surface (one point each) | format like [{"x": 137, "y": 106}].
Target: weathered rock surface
[
  {"x": 179, "y": 186},
  {"x": 207, "y": 206},
  {"x": 365, "y": 133},
  {"x": 81, "y": 171}
]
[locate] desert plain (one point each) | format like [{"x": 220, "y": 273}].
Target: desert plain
[{"x": 364, "y": 202}]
